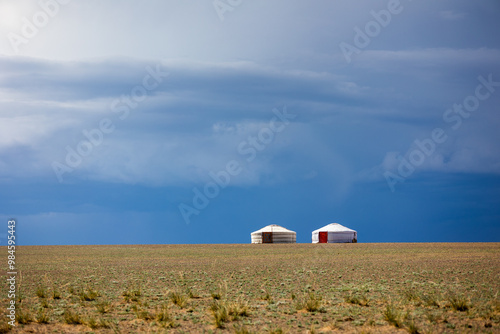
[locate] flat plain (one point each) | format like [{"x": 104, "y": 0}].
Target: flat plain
[{"x": 269, "y": 288}]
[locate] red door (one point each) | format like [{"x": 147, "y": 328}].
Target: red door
[
  {"x": 267, "y": 237},
  {"x": 323, "y": 237}
]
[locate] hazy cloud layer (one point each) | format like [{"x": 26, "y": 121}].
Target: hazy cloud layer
[{"x": 213, "y": 86}]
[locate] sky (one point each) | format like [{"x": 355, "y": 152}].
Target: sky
[{"x": 176, "y": 122}]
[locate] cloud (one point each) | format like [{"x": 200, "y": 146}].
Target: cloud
[
  {"x": 194, "y": 120},
  {"x": 430, "y": 59},
  {"x": 191, "y": 124},
  {"x": 472, "y": 149},
  {"x": 451, "y": 15},
  {"x": 353, "y": 122}
]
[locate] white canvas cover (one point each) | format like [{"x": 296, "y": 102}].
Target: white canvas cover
[
  {"x": 336, "y": 233},
  {"x": 279, "y": 235}
]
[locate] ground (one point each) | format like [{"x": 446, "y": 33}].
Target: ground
[{"x": 294, "y": 288}]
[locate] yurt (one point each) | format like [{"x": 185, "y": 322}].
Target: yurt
[
  {"x": 334, "y": 233},
  {"x": 273, "y": 234}
]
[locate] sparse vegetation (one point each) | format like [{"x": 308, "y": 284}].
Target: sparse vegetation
[
  {"x": 23, "y": 316},
  {"x": 164, "y": 318},
  {"x": 220, "y": 313},
  {"x": 41, "y": 292},
  {"x": 357, "y": 299},
  {"x": 162, "y": 315},
  {"x": 458, "y": 303},
  {"x": 103, "y": 307},
  {"x": 276, "y": 330},
  {"x": 132, "y": 295},
  {"x": 313, "y": 302},
  {"x": 92, "y": 323},
  {"x": 95, "y": 324},
  {"x": 238, "y": 309},
  {"x": 310, "y": 302},
  {"x": 241, "y": 329},
  {"x": 267, "y": 296},
  {"x": 191, "y": 293},
  {"x": 42, "y": 317},
  {"x": 72, "y": 318},
  {"x": 178, "y": 299},
  {"x": 88, "y": 294},
  {"x": 432, "y": 317},
  {"x": 368, "y": 288},
  {"x": 44, "y": 303},
  {"x": 411, "y": 294},
  {"x": 4, "y": 326},
  {"x": 103, "y": 323},
  {"x": 429, "y": 300},
  {"x": 143, "y": 314},
  {"x": 56, "y": 294},
  {"x": 393, "y": 316},
  {"x": 412, "y": 328}
]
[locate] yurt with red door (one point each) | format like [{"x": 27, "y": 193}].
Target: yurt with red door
[
  {"x": 273, "y": 234},
  {"x": 334, "y": 232}
]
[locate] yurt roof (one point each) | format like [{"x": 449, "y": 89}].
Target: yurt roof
[
  {"x": 273, "y": 228},
  {"x": 334, "y": 227}
]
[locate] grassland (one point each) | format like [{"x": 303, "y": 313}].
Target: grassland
[{"x": 299, "y": 288}]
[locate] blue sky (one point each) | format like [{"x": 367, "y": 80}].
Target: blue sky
[{"x": 115, "y": 118}]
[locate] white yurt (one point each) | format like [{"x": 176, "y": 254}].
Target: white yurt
[
  {"x": 334, "y": 233},
  {"x": 273, "y": 234}
]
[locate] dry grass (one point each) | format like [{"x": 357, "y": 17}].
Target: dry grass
[
  {"x": 42, "y": 317},
  {"x": 357, "y": 299},
  {"x": 179, "y": 299},
  {"x": 72, "y": 318},
  {"x": 393, "y": 316},
  {"x": 353, "y": 288}
]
